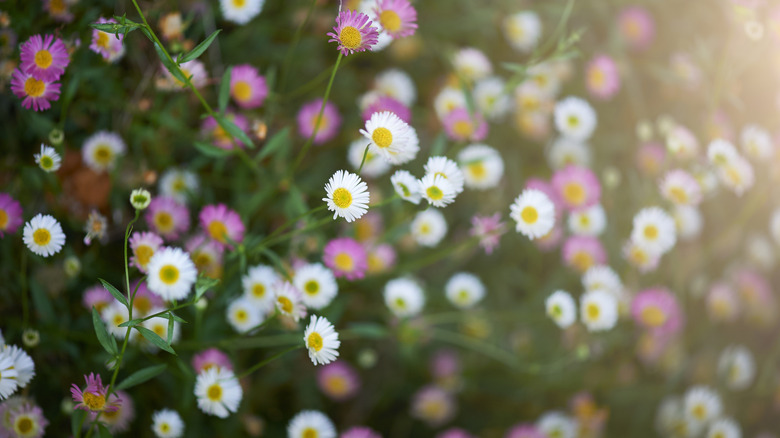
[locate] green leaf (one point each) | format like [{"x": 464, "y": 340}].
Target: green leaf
[
  {"x": 103, "y": 431},
  {"x": 141, "y": 376},
  {"x": 224, "y": 90},
  {"x": 170, "y": 330},
  {"x": 171, "y": 315},
  {"x": 155, "y": 339},
  {"x": 116, "y": 28},
  {"x": 203, "y": 285},
  {"x": 200, "y": 48},
  {"x": 118, "y": 295},
  {"x": 280, "y": 140},
  {"x": 105, "y": 339},
  {"x": 170, "y": 65},
  {"x": 211, "y": 150},
  {"x": 76, "y": 420},
  {"x": 132, "y": 322},
  {"x": 234, "y": 131}
]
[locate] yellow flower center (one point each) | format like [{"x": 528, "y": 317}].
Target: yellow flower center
[
  {"x": 214, "y": 393},
  {"x": 103, "y": 154},
  {"x": 556, "y": 311},
  {"x": 165, "y": 428},
  {"x": 314, "y": 341},
  {"x": 242, "y": 90},
  {"x": 95, "y": 402},
  {"x": 350, "y": 37},
  {"x": 3, "y": 219},
  {"x": 142, "y": 254},
  {"x": 309, "y": 432},
  {"x": 434, "y": 193},
  {"x": 41, "y": 236},
  {"x": 733, "y": 175},
  {"x": 582, "y": 260},
  {"x": 336, "y": 385},
  {"x": 638, "y": 256},
  {"x": 118, "y": 319},
  {"x": 573, "y": 121},
  {"x": 529, "y": 215},
  {"x": 342, "y": 198},
  {"x": 102, "y": 40},
  {"x": 477, "y": 170},
  {"x": 596, "y": 77},
  {"x": 46, "y": 162},
  {"x": 241, "y": 316},
  {"x": 311, "y": 287},
  {"x": 142, "y": 304},
  {"x": 382, "y": 137},
  {"x": 57, "y": 7},
  {"x": 400, "y": 303},
  {"x": 425, "y": 229},
  {"x": 169, "y": 274},
  {"x": 678, "y": 195},
  {"x": 390, "y": 21},
  {"x": 285, "y": 304},
  {"x": 160, "y": 330},
  {"x": 653, "y": 316},
  {"x": 24, "y": 426},
  {"x": 463, "y": 128},
  {"x": 699, "y": 412},
  {"x": 34, "y": 87},
  {"x": 592, "y": 311},
  {"x": 43, "y": 58},
  {"x": 163, "y": 221},
  {"x": 217, "y": 230},
  {"x": 462, "y": 297},
  {"x": 344, "y": 262},
  {"x": 258, "y": 290},
  {"x": 651, "y": 232},
  {"x": 584, "y": 220},
  {"x": 574, "y": 193},
  {"x": 239, "y": 3}
]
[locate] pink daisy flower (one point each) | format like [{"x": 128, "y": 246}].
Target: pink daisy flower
[
  {"x": 444, "y": 364},
  {"x": 346, "y": 258},
  {"x": 143, "y": 244},
  {"x": 44, "y": 58},
  {"x": 329, "y": 123},
  {"x": 10, "y": 214},
  {"x": 17, "y": 412},
  {"x": 206, "y": 254},
  {"x": 602, "y": 77},
  {"x": 637, "y": 27},
  {"x": 221, "y": 223},
  {"x": 642, "y": 260},
  {"x": 387, "y": 103},
  {"x": 118, "y": 420},
  {"x": 247, "y": 87},
  {"x": 460, "y": 126},
  {"x": 93, "y": 397},
  {"x": 36, "y": 93},
  {"x": 397, "y": 17},
  {"x": 380, "y": 258},
  {"x": 433, "y": 405},
  {"x": 360, "y": 432},
  {"x": 98, "y": 297},
  {"x": 656, "y": 309},
  {"x": 650, "y": 158},
  {"x": 59, "y": 9},
  {"x": 353, "y": 32},
  {"x": 105, "y": 44},
  {"x": 219, "y": 136},
  {"x": 524, "y": 430},
  {"x": 577, "y": 187},
  {"x": 489, "y": 229},
  {"x": 167, "y": 217},
  {"x": 211, "y": 358},
  {"x": 145, "y": 300},
  {"x": 338, "y": 381},
  {"x": 582, "y": 252}
]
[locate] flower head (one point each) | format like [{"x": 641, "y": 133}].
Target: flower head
[
  {"x": 307, "y": 424},
  {"x": 397, "y": 17},
  {"x": 221, "y": 223},
  {"x": 637, "y": 27},
  {"x": 289, "y": 300},
  {"x": 460, "y": 125},
  {"x": 140, "y": 199},
  {"x": 107, "y": 45},
  {"x": 575, "y": 118},
  {"x": 93, "y": 397},
  {"x": 171, "y": 274},
  {"x": 404, "y": 297},
  {"x": 347, "y": 195},
  {"x": 464, "y": 290},
  {"x": 582, "y": 252},
  {"x": 167, "y": 423},
  {"x": 598, "y": 310},
  {"x": 391, "y": 138},
  {"x": 523, "y": 30},
  {"x": 534, "y": 213},
  {"x": 353, "y": 32},
  {"x": 10, "y": 214},
  {"x": 48, "y": 160},
  {"x": 577, "y": 187},
  {"x": 44, "y": 58},
  {"x": 408, "y": 188},
  {"x": 602, "y": 77},
  {"x": 429, "y": 227},
  {"x": 489, "y": 229},
  {"x": 43, "y": 235},
  {"x": 317, "y": 285},
  {"x": 328, "y": 125},
  {"x": 560, "y": 307},
  {"x": 346, "y": 257},
  {"x": 322, "y": 341},
  {"x": 247, "y": 87},
  {"x": 338, "y": 380},
  {"x": 37, "y": 94},
  {"x": 167, "y": 217},
  {"x": 101, "y": 150},
  {"x": 657, "y": 310},
  {"x": 240, "y": 11},
  {"x": 218, "y": 392}
]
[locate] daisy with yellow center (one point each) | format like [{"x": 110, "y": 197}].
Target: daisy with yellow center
[
  {"x": 240, "y": 11},
  {"x": 598, "y": 310},
  {"x": 311, "y": 424},
  {"x": 391, "y": 138},
  {"x": 171, "y": 274},
  {"x": 404, "y": 297},
  {"x": 48, "y": 160},
  {"x": 654, "y": 231},
  {"x": 322, "y": 341},
  {"x": 437, "y": 190},
  {"x": 353, "y": 32},
  {"x": 534, "y": 213},
  {"x": 101, "y": 150},
  {"x": 167, "y": 423},
  {"x": 347, "y": 195},
  {"x": 218, "y": 392},
  {"x": 289, "y": 300},
  {"x": 43, "y": 235},
  {"x": 561, "y": 308},
  {"x": 258, "y": 286},
  {"x": 317, "y": 285},
  {"x": 243, "y": 315}
]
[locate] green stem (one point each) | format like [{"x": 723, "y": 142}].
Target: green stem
[{"x": 267, "y": 361}]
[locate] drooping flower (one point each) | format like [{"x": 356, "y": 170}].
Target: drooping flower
[
  {"x": 353, "y": 32},
  {"x": 93, "y": 397}
]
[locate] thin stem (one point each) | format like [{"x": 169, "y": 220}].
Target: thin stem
[{"x": 267, "y": 361}]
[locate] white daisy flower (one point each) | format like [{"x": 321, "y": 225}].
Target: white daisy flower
[
  {"x": 688, "y": 222},
  {"x": 48, "y": 160},
  {"x": 171, "y": 274},
  {"x": 737, "y": 175},
  {"x": 289, "y": 300},
  {"x": 308, "y": 424},
  {"x": 8, "y": 376},
  {"x": 43, "y": 235},
  {"x": 374, "y": 165},
  {"x": 240, "y": 11},
  {"x": 522, "y": 30},
  {"x": 490, "y": 98},
  {"x": 258, "y": 286},
  {"x": 437, "y": 190},
  {"x": 721, "y": 152},
  {"x": 448, "y": 99},
  {"x": 591, "y": 221},
  {"x": 179, "y": 184},
  {"x": 167, "y": 423},
  {"x": 602, "y": 277},
  {"x": 531, "y": 99},
  {"x": 737, "y": 367},
  {"x": 682, "y": 143},
  {"x": 681, "y": 188},
  {"x": 243, "y": 314},
  {"x": 396, "y": 84},
  {"x": 557, "y": 424},
  {"x": 23, "y": 364},
  {"x": 639, "y": 257},
  {"x": 391, "y": 138},
  {"x": 575, "y": 118},
  {"x": 447, "y": 168},
  {"x": 471, "y": 64},
  {"x": 383, "y": 40},
  {"x": 565, "y": 151},
  {"x": 598, "y": 310},
  {"x": 101, "y": 150},
  {"x": 482, "y": 166},
  {"x": 218, "y": 391},
  {"x": 702, "y": 405},
  {"x": 317, "y": 285},
  {"x": 404, "y": 297},
  {"x": 724, "y": 428},
  {"x": 322, "y": 340},
  {"x": 114, "y": 314},
  {"x": 654, "y": 231},
  {"x": 670, "y": 420},
  {"x": 545, "y": 77},
  {"x": 429, "y": 227},
  {"x": 561, "y": 308},
  {"x": 406, "y": 186},
  {"x": 348, "y": 195},
  {"x": 464, "y": 290},
  {"x": 534, "y": 213},
  {"x": 756, "y": 142}
]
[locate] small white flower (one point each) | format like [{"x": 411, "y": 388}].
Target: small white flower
[
  {"x": 396, "y": 84},
  {"x": 654, "y": 231},
  {"x": 48, "y": 160},
  {"x": 374, "y": 164},
  {"x": 8, "y": 376},
  {"x": 534, "y": 213},
  {"x": 702, "y": 405},
  {"x": 391, "y": 137},
  {"x": 167, "y": 423},
  {"x": 404, "y": 297},
  {"x": 737, "y": 367},
  {"x": 736, "y": 175},
  {"x": 602, "y": 277},
  {"x": 348, "y": 195},
  {"x": 406, "y": 186},
  {"x": 243, "y": 314},
  {"x": 681, "y": 188},
  {"x": 289, "y": 301},
  {"x": 179, "y": 184},
  {"x": 522, "y": 30},
  {"x": 114, "y": 314},
  {"x": 322, "y": 341},
  {"x": 171, "y": 274},
  {"x": 590, "y": 221},
  {"x": 482, "y": 166},
  {"x": 682, "y": 143},
  {"x": 159, "y": 325},
  {"x": 561, "y": 308},
  {"x": 566, "y": 151},
  {"x": 448, "y": 99},
  {"x": 545, "y": 77},
  {"x": 429, "y": 227},
  {"x": 598, "y": 310},
  {"x": 721, "y": 152},
  {"x": 557, "y": 424},
  {"x": 724, "y": 428},
  {"x": 43, "y": 235},
  {"x": 218, "y": 392},
  {"x": 240, "y": 11},
  {"x": 23, "y": 364},
  {"x": 756, "y": 142},
  {"x": 307, "y": 424},
  {"x": 464, "y": 290},
  {"x": 140, "y": 199},
  {"x": 490, "y": 98},
  {"x": 437, "y": 190},
  {"x": 258, "y": 286},
  {"x": 101, "y": 150},
  {"x": 575, "y": 118},
  {"x": 471, "y": 64},
  {"x": 317, "y": 285},
  {"x": 448, "y": 169}
]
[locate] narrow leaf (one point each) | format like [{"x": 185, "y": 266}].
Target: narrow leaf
[
  {"x": 224, "y": 90},
  {"x": 141, "y": 376},
  {"x": 132, "y": 322},
  {"x": 170, "y": 331},
  {"x": 103, "y": 336},
  {"x": 76, "y": 420},
  {"x": 203, "y": 285},
  {"x": 155, "y": 339},
  {"x": 234, "y": 130},
  {"x": 115, "y": 28},
  {"x": 211, "y": 150},
  {"x": 171, "y": 315},
  {"x": 170, "y": 65},
  {"x": 277, "y": 142},
  {"x": 118, "y": 295},
  {"x": 200, "y": 48}
]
